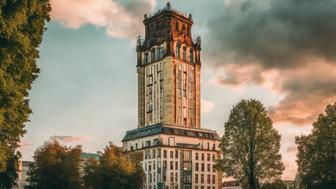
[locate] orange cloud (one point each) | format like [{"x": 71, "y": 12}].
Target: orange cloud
[{"x": 305, "y": 90}]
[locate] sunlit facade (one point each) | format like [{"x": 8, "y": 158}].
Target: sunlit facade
[{"x": 177, "y": 152}]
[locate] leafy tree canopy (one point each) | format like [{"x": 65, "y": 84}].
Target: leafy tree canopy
[
  {"x": 114, "y": 170},
  {"x": 316, "y": 157},
  {"x": 277, "y": 184},
  {"x": 55, "y": 167},
  {"x": 22, "y": 24},
  {"x": 250, "y": 145}
]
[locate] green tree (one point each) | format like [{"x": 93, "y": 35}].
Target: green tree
[
  {"x": 9, "y": 176},
  {"x": 22, "y": 24},
  {"x": 316, "y": 157},
  {"x": 55, "y": 167},
  {"x": 250, "y": 145},
  {"x": 277, "y": 184},
  {"x": 115, "y": 170}
]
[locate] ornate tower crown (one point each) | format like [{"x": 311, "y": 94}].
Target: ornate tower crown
[
  {"x": 168, "y": 64},
  {"x": 170, "y": 27}
]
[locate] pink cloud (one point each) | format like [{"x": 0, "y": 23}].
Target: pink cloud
[
  {"x": 72, "y": 139},
  {"x": 121, "y": 21},
  {"x": 24, "y": 145}
]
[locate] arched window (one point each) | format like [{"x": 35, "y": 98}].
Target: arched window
[
  {"x": 176, "y": 26},
  {"x": 191, "y": 55}
]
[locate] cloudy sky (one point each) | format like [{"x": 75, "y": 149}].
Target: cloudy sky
[{"x": 281, "y": 52}]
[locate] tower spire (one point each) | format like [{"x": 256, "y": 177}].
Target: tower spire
[{"x": 168, "y": 4}]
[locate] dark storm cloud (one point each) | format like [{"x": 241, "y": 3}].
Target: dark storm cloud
[
  {"x": 293, "y": 40},
  {"x": 274, "y": 33}
]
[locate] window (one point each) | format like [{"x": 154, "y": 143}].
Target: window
[
  {"x": 191, "y": 56},
  {"x": 176, "y": 154},
  {"x": 176, "y": 26},
  {"x": 213, "y": 157},
  {"x": 176, "y": 165},
  {"x": 202, "y": 167},
  {"x": 176, "y": 177},
  {"x": 177, "y": 50},
  {"x": 196, "y": 156},
  {"x": 171, "y": 165},
  {"x": 146, "y": 58},
  {"x": 157, "y": 53},
  {"x": 159, "y": 153},
  {"x": 208, "y": 157},
  {"x": 202, "y": 157},
  {"x": 213, "y": 179},
  {"x": 171, "y": 177},
  {"x": 208, "y": 167},
  {"x": 164, "y": 166},
  {"x": 154, "y": 153},
  {"x": 184, "y": 56},
  {"x": 161, "y": 52},
  {"x": 196, "y": 167},
  {"x": 171, "y": 154},
  {"x": 196, "y": 178},
  {"x": 148, "y": 143},
  {"x": 164, "y": 153},
  {"x": 208, "y": 179},
  {"x": 202, "y": 178},
  {"x": 152, "y": 55}
]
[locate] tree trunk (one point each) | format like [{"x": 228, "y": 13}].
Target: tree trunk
[{"x": 252, "y": 182}]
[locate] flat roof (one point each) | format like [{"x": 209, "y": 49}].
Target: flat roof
[{"x": 170, "y": 130}]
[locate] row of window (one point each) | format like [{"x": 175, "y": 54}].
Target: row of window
[
  {"x": 154, "y": 55},
  {"x": 175, "y": 186},
  {"x": 199, "y": 178},
  {"x": 174, "y": 165},
  {"x": 184, "y": 53},
  {"x": 156, "y": 153},
  {"x": 201, "y": 167}
]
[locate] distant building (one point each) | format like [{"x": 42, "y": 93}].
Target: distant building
[
  {"x": 85, "y": 157},
  {"x": 22, "y": 174},
  {"x": 177, "y": 153},
  {"x": 231, "y": 185}
]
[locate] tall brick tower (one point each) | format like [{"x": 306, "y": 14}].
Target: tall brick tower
[
  {"x": 168, "y": 67},
  {"x": 177, "y": 152}
]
